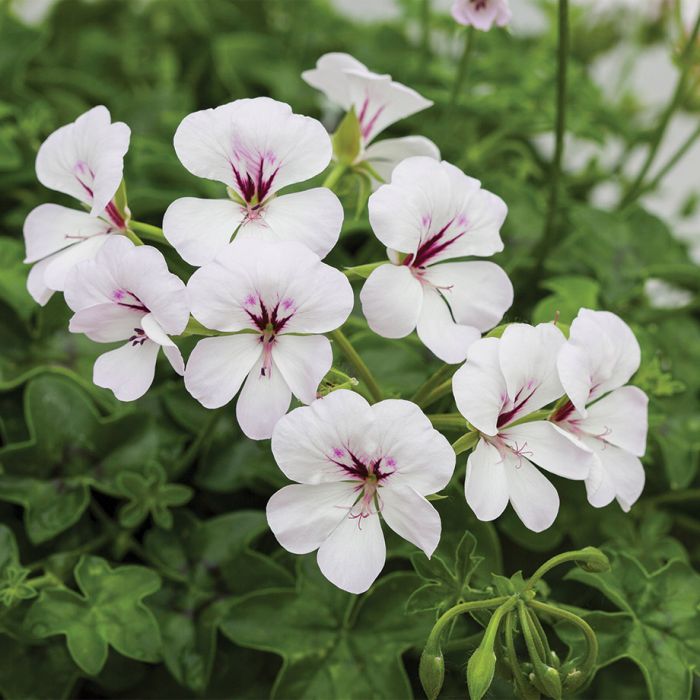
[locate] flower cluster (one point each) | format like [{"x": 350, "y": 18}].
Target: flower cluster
[{"x": 263, "y": 300}]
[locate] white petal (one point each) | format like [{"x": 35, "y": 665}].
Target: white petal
[
  {"x": 199, "y": 229},
  {"x": 600, "y": 489},
  {"x": 486, "y": 485},
  {"x": 128, "y": 371},
  {"x": 551, "y": 448},
  {"x": 49, "y": 228},
  {"x": 217, "y": 367},
  {"x": 304, "y": 441},
  {"x": 60, "y": 265},
  {"x": 478, "y": 292},
  {"x": 303, "y": 360},
  {"x": 411, "y": 516},
  {"x": 354, "y": 554},
  {"x": 532, "y": 495},
  {"x": 85, "y": 159},
  {"x": 391, "y": 301},
  {"x": 528, "y": 359},
  {"x": 302, "y": 517},
  {"x": 36, "y": 286},
  {"x": 386, "y": 154},
  {"x": 439, "y": 332},
  {"x": 155, "y": 332},
  {"x": 106, "y": 323},
  {"x": 264, "y": 399},
  {"x": 329, "y": 77},
  {"x": 479, "y": 387},
  {"x": 172, "y": 352},
  {"x": 422, "y": 458}
]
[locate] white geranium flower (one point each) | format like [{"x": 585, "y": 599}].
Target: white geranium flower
[
  {"x": 432, "y": 212},
  {"x": 504, "y": 380},
  {"x": 276, "y": 298},
  {"x": 379, "y": 101},
  {"x": 127, "y": 293},
  {"x": 84, "y": 159},
  {"x": 353, "y": 462},
  {"x": 255, "y": 147},
  {"x": 597, "y": 361},
  {"x": 482, "y": 14}
]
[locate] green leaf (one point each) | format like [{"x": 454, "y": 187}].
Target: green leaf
[
  {"x": 13, "y": 278},
  {"x": 333, "y": 644},
  {"x": 658, "y": 627},
  {"x": 108, "y": 612},
  {"x": 569, "y": 294}
]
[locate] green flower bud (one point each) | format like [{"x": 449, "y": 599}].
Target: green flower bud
[
  {"x": 593, "y": 560},
  {"x": 480, "y": 670},
  {"x": 432, "y": 670},
  {"x": 551, "y": 682},
  {"x": 347, "y": 139}
]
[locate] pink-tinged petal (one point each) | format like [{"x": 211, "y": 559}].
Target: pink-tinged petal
[
  {"x": 528, "y": 359},
  {"x": 302, "y": 517},
  {"x": 49, "y": 228},
  {"x": 329, "y": 77},
  {"x": 532, "y": 495},
  {"x": 155, "y": 332},
  {"x": 600, "y": 489},
  {"x": 199, "y": 229},
  {"x": 35, "y": 283},
  {"x": 313, "y": 217},
  {"x": 217, "y": 367},
  {"x": 391, "y": 301},
  {"x": 411, "y": 516},
  {"x": 420, "y": 456},
  {"x": 264, "y": 399},
  {"x": 479, "y": 387},
  {"x": 620, "y": 418},
  {"x": 481, "y": 16},
  {"x": 85, "y": 159},
  {"x": 486, "y": 484},
  {"x": 306, "y": 440},
  {"x": 438, "y": 331},
  {"x": 255, "y": 146},
  {"x": 60, "y": 265},
  {"x": 551, "y": 448},
  {"x": 128, "y": 371},
  {"x": 478, "y": 292},
  {"x": 386, "y": 154},
  {"x": 354, "y": 554},
  {"x": 303, "y": 360},
  {"x": 174, "y": 356},
  {"x": 106, "y": 323}
]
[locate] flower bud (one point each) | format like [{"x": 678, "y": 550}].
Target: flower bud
[
  {"x": 480, "y": 669},
  {"x": 593, "y": 560},
  {"x": 432, "y": 670}
]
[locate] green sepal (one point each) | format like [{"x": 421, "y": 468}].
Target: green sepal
[{"x": 347, "y": 139}]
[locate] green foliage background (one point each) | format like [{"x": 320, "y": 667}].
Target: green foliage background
[{"x": 135, "y": 560}]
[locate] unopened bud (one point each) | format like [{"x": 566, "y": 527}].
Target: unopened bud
[
  {"x": 480, "y": 670},
  {"x": 432, "y": 671},
  {"x": 593, "y": 560}
]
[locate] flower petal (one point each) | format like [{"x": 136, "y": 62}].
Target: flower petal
[
  {"x": 600, "y": 489},
  {"x": 412, "y": 517},
  {"x": 303, "y": 360},
  {"x": 172, "y": 352},
  {"x": 329, "y": 77},
  {"x": 486, "y": 484},
  {"x": 532, "y": 495},
  {"x": 391, "y": 301},
  {"x": 106, "y": 323},
  {"x": 60, "y": 265},
  {"x": 36, "y": 286},
  {"x": 217, "y": 367},
  {"x": 199, "y": 229},
  {"x": 128, "y": 371},
  {"x": 386, "y": 154}
]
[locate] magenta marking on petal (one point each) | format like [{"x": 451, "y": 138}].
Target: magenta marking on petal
[
  {"x": 433, "y": 246},
  {"x": 139, "y": 337},
  {"x": 129, "y": 300},
  {"x": 507, "y": 416}
]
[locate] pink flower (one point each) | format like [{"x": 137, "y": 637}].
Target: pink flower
[{"x": 481, "y": 14}]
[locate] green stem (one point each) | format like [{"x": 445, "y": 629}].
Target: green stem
[
  {"x": 596, "y": 560},
  {"x": 358, "y": 363},
  {"x": 425, "y": 27},
  {"x": 550, "y": 228},
  {"x": 44, "y": 581},
  {"x": 460, "y": 609},
  {"x": 440, "y": 391},
  {"x": 363, "y": 271},
  {"x": 132, "y": 237},
  {"x": 448, "y": 421},
  {"x": 520, "y": 682},
  {"x": 466, "y": 442},
  {"x": 334, "y": 175},
  {"x": 469, "y": 41},
  {"x": 197, "y": 444},
  {"x": 674, "y": 497},
  {"x": 445, "y": 372},
  {"x": 148, "y": 231},
  {"x": 676, "y": 99}
]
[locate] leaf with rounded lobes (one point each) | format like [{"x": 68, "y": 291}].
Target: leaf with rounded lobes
[
  {"x": 334, "y": 644},
  {"x": 658, "y": 627},
  {"x": 109, "y": 611}
]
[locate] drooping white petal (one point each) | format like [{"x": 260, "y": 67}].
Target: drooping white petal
[
  {"x": 329, "y": 77},
  {"x": 478, "y": 292},
  {"x": 421, "y": 457},
  {"x": 264, "y": 399},
  {"x": 550, "y": 447},
  {"x": 486, "y": 485},
  {"x": 438, "y": 331},
  {"x": 217, "y": 367},
  {"x": 199, "y": 229},
  {"x": 128, "y": 371},
  {"x": 304, "y": 361},
  {"x": 354, "y": 554},
  {"x": 411, "y": 516},
  {"x": 479, "y": 386},
  {"x": 36, "y": 286},
  {"x": 155, "y": 332},
  {"x": 49, "y": 228},
  {"x": 255, "y": 146},
  {"x": 391, "y": 301},
  {"x": 106, "y": 323},
  {"x": 600, "y": 489},
  {"x": 85, "y": 159},
  {"x": 174, "y": 356},
  {"x": 305, "y": 441},
  {"x": 528, "y": 360},
  {"x": 386, "y": 154},
  {"x": 60, "y": 265},
  {"x": 302, "y": 516}
]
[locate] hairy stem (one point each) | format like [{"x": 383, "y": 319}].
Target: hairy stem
[
  {"x": 444, "y": 373},
  {"x": 363, "y": 371}
]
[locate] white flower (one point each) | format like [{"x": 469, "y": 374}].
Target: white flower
[
  {"x": 504, "y": 380},
  {"x": 379, "y": 102},
  {"x": 85, "y": 160},
  {"x": 276, "y": 298},
  {"x": 481, "y": 14},
  {"x": 353, "y": 461},
  {"x": 432, "y": 212},
  {"x": 255, "y": 147},
  {"x": 598, "y": 359},
  {"x": 127, "y": 293}
]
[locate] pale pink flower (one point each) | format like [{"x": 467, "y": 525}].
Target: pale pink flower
[{"x": 482, "y": 14}]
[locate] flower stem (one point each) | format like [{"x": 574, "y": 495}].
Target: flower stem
[
  {"x": 635, "y": 188},
  {"x": 334, "y": 175},
  {"x": 425, "y": 29},
  {"x": 363, "y": 271},
  {"x": 445, "y": 372},
  {"x": 358, "y": 363},
  {"x": 148, "y": 231},
  {"x": 673, "y": 497},
  {"x": 441, "y": 390},
  {"x": 132, "y": 237},
  {"x": 460, "y": 609},
  {"x": 448, "y": 421},
  {"x": 462, "y": 68},
  {"x": 550, "y": 228},
  {"x": 466, "y": 442},
  {"x": 590, "y": 556}
]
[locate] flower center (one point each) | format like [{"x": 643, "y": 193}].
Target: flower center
[
  {"x": 269, "y": 322},
  {"x": 85, "y": 176},
  {"x": 129, "y": 300},
  {"x": 432, "y": 244},
  {"x": 254, "y": 173},
  {"x": 367, "y": 120}
]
